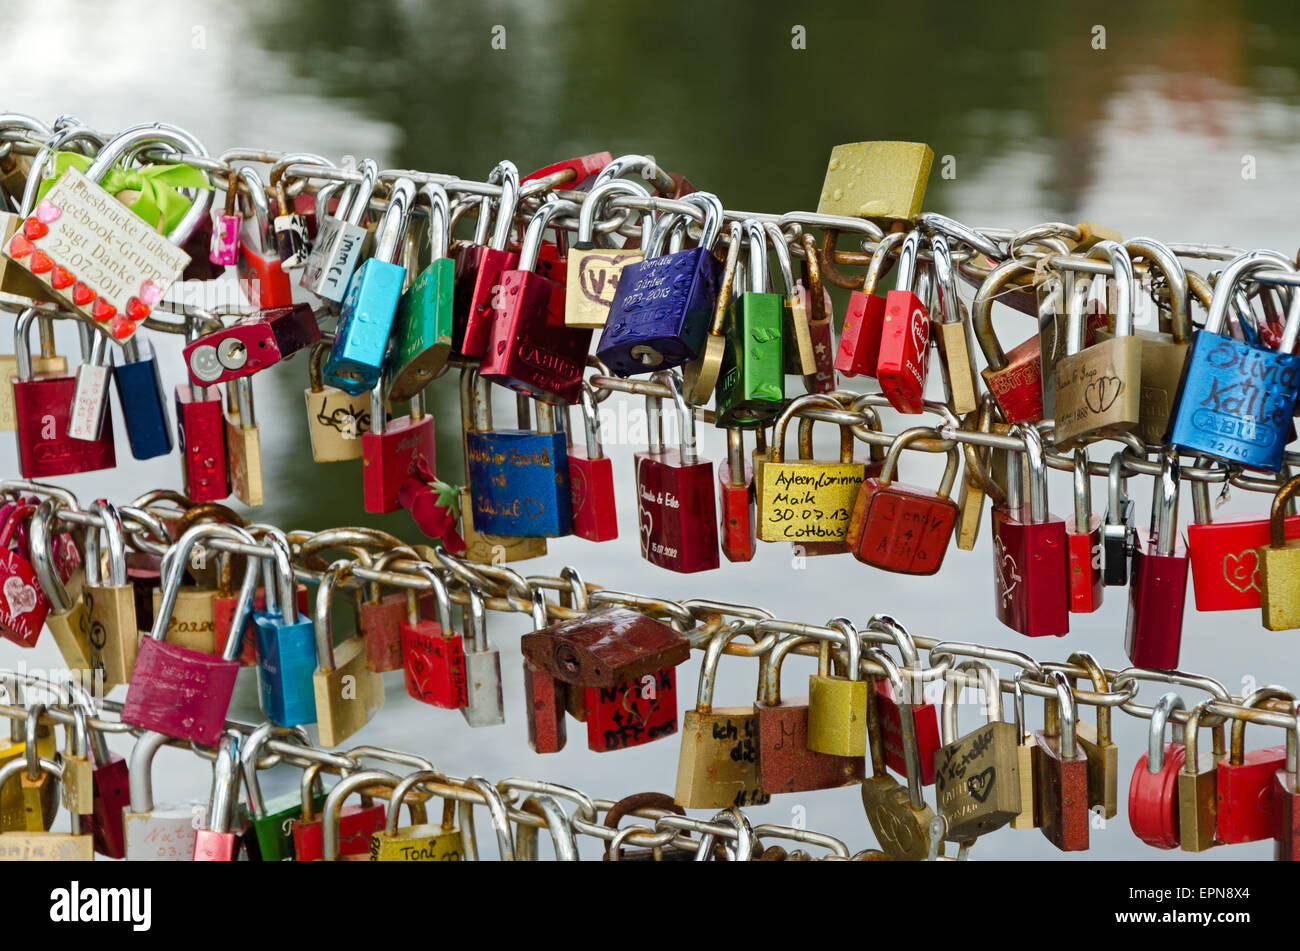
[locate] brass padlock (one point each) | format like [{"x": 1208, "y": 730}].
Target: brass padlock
[
  {"x": 1279, "y": 589},
  {"x": 883, "y": 181},
  {"x": 243, "y": 442},
  {"x": 41, "y": 845},
  {"x": 1198, "y": 785},
  {"x": 1025, "y": 745},
  {"x": 837, "y": 706},
  {"x": 421, "y": 841},
  {"x": 348, "y": 695},
  {"x": 111, "y": 599},
  {"x": 1094, "y": 739}
]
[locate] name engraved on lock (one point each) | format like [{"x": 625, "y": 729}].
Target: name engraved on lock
[
  {"x": 1246, "y": 397},
  {"x": 643, "y": 709},
  {"x": 812, "y": 503},
  {"x": 95, "y": 254}
]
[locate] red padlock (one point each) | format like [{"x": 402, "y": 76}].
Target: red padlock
[
  {"x": 1153, "y": 789},
  {"x": 546, "y": 699},
  {"x": 201, "y": 436},
  {"x": 1014, "y": 379},
  {"x": 591, "y": 479},
  {"x": 675, "y": 503},
  {"x": 250, "y": 344},
  {"x": 1224, "y": 556},
  {"x": 1083, "y": 543},
  {"x": 394, "y": 449},
  {"x": 480, "y": 267},
  {"x": 356, "y": 825},
  {"x": 263, "y": 280},
  {"x": 900, "y": 527},
  {"x": 633, "y": 712},
  {"x": 1030, "y": 567},
  {"x": 529, "y": 348},
  {"x": 736, "y": 501},
  {"x": 890, "y": 706},
  {"x": 24, "y": 605},
  {"x": 1061, "y": 773},
  {"x": 1286, "y": 802},
  {"x": 859, "y": 350},
  {"x": 1245, "y": 783},
  {"x": 1158, "y": 579},
  {"x": 433, "y": 653},
  {"x": 905, "y": 335},
  {"x": 572, "y": 174}
]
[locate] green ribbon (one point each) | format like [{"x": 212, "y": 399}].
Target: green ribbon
[{"x": 159, "y": 204}]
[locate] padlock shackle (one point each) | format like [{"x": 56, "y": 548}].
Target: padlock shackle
[
  {"x": 536, "y": 229},
  {"x": 645, "y": 164},
  {"x": 355, "y": 201},
  {"x": 1064, "y": 713},
  {"x": 22, "y": 344},
  {"x": 564, "y": 841},
  {"x": 688, "y": 446},
  {"x": 1278, "y": 512},
  {"x": 1100, "y": 684},
  {"x": 1160, "y": 715},
  {"x": 590, "y": 421},
  {"x": 982, "y": 309},
  {"x": 1122, "y": 266},
  {"x": 711, "y": 207},
  {"x": 497, "y": 810},
  {"x": 1164, "y": 504},
  {"x": 945, "y": 280},
  {"x": 261, "y": 207},
  {"x": 281, "y": 587},
  {"x": 591, "y": 207},
  {"x": 709, "y": 666},
  {"x": 1234, "y": 272},
  {"x": 333, "y": 808},
  {"x": 224, "y": 797},
  {"x": 403, "y": 789},
  {"x": 987, "y": 678},
  {"x": 908, "y": 261},
  {"x": 781, "y": 251},
  {"x": 1076, "y": 311},
  {"x": 1191, "y": 741},
  {"x": 756, "y": 256},
  {"x": 906, "y": 726},
  {"x": 1082, "y": 492},
  {"x": 140, "y": 777},
  {"x": 507, "y": 175},
  {"x": 174, "y": 563},
  {"x": 1036, "y": 491},
  {"x": 900, "y": 442},
  {"x": 58, "y": 141},
  {"x": 41, "y": 549},
  {"x": 440, "y": 595},
  {"x": 333, "y": 577},
  {"x": 783, "y": 423},
  {"x": 1164, "y": 260},
  {"x": 853, "y": 643},
  {"x": 438, "y": 231},
  {"x": 392, "y": 226},
  {"x": 1237, "y": 751}
]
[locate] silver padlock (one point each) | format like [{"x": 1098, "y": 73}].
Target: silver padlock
[
  {"x": 482, "y": 671},
  {"x": 158, "y": 832},
  {"x": 90, "y": 398},
  {"x": 339, "y": 240}
]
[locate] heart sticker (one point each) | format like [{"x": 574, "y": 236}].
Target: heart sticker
[
  {"x": 47, "y": 211},
  {"x": 82, "y": 295},
  {"x": 980, "y": 785},
  {"x": 121, "y": 326},
  {"x": 41, "y": 262},
  {"x": 20, "y": 247},
  {"x": 61, "y": 277},
  {"x": 102, "y": 310},
  {"x": 35, "y": 229},
  {"x": 136, "y": 310},
  {"x": 150, "y": 293},
  {"x": 1242, "y": 570},
  {"x": 20, "y": 595}
]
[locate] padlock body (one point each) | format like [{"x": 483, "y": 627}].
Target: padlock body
[
  {"x": 661, "y": 313},
  {"x": 43, "y": 408},
  {"x": 632, "y": 713},
  {"x": 1083, "y": 548},
  {"x": 591, "y": 492},
  {"x": 785, "y": 764},
  {"x": 1236, "y": 402},
  {"x": 676, "y": 510},
  {"x": 420, "y": 843},
  {"x": 180, "y": 692},
  {"x": 954, "y": 344},
  {"x": 1280, "y": 591},
  {"x": 347, "y": 696},
  {"x": 112, "y": 795},
  {"x": 365, "y": 324},
  {"x": 434, "y": 664},
  {"x": 262, "y": 278},
  {"x": 1062, "y": 789},
  {"x": 24, "y": 607},
  {"x": 201, "y": 426},
  {"x": 251, "y": 344},
  {"x": 977, "y": 782},
  {"x": 144, "y": 408},
  {"x": 1286, "y": 818},
  {"x": 545, "y": 699},
  {"x": 904, "y": 351},
  {"x": 336, "y": 422},
  {"x": 751, "y": 381},
  {"x": 423, "y": 328},
  {"x": 901, "y": 528},
  {"x": 736, "y": 502},
  {"x": 925, "y": 727},
  {"x": 1153, "y": 799},
  {"x": 821, "y": 334},
  {"x": 223, "y": 249},
  {"x": 244, "y": 460},
  {"x": 41, "y": 367},
  {"x": 286, "y": 659},
  {"x": 529, "y": 349},
  {"x": 1226, "y": 570},
  {"x": 483, "y": 681},
  {"x": 593, "y": 275},
  {"x": 1097, "y": 392},
  {"x": 1030, "y": 573},
  {"x": 1018, "y": 387},
  {"x": 1245, "y": 795},
  {"x": 164, "y": 834},
  {"x": 807, "y": 500},
  {"x": 381, "y": 629},
  {"x": 390, "y": 457},
  {"x": 837, "y": 715},
  {"x": 1157, "y": 595},
  {"x": 483, "y": 295},
  {"x": 356, "y": 826},
  {"x": 1162, "y": 369},
  {"x": 718, "y": 765},
  {"x": 520, "y": 483},
  {"x": 859, "y": 351}
]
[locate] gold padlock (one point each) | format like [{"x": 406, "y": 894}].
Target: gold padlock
[
  {"x": 883, "y": 181},
  {"x": 837, "y": 706},
  {"x": 336, "y": 421},
  {"x": 348, "y": 694},
  {"x": 1025, "y": 745},
  {"x": 1094, "y": 739},
  {"x": 953, "y": 335},
  {"x": 41, "y": 845},
  {"x": 1198, "y": 785},
  {"x": 1279, "y": 588},
  {"x": 110, "y": 598},
  {"x": 594, "y": 272},
  {"x": 421, "y": 841},
  {"x": 243, "y": 443}
]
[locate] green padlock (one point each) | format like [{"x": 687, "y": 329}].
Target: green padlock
[
  {"x": 273, "y": 821},
  {"x": 751, "y": 390},
  {"x": 421, "y": 340}
]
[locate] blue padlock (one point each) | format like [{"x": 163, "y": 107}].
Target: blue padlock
[
  {"x": 140, "y": 391},
  {"x": 518, "y": 478},
  {"x": 286, "y": 650},
  {"x": 1236, "y": 398},
  {"x": 664, "y": 304},
  {"x": 356, "y": 358}
]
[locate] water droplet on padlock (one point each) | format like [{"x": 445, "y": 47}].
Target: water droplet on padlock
[
  {"x": 834, "y": 165},
  {"x": 837, "y": 194}
]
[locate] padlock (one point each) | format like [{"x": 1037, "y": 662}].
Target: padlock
[
  {"x": 356, "y": 359},
  {"x": 663, "y": 304},
  {"x": 1094, "y": 739},
  {"x": 675, "y": 503},
  {"x": 43, "y": 410},
  {"x": 201, "y": 435},
  {"x": 90, "y": 414},
  {"x": 484, "y": 705},
  {"x": 1153, "y": 791},
  {"x": 25, "y": 607},
  {"x": 216, "y": 840},
  {"x": 336, "y": 421},
  {"x": 68, "y": 618},
  {"x": 898, "y": 814},
  {"x": 977, "y": 483},
  {"x": 1198, "y": 806},
  {"x": 1236, "y": 400},
  {"x": 286, "y": 643},
  {"x": 349, "y": 829},
  {"x": 1158, "y": 586},
  {"x": 904, "y": 528},
  {"x": 177, "y": 690},
  {"x": 423, "y": 842},
  {"x": 348, "y": 695},
  {"x": 700, "y": 376},
  {"x": 904, "y": 354},
  {"x": 893, "y": 706},
  {"x": 1279, "y": 559},
  {"x": 1014, "y": 378},
  {"x": 47, "y": 364},
  {"x": 223, "y": 250},
  {"x": 243, "y": 442},
  {"x": 1098, "y": 387},
  {"x": 433, "y": 652},
  {"x": 952, "y": 333},
  {"x": 624, "y": 662},
  {"x": 717, "y": 767},
  {"x": 251, "y": 344},
  {"x": 859, "y": 350},
  {"x": 1286, "y": 822},
  {"x": 37, "y": 787},
  {"x": 977, "y": 779},
  {"x": 751, "y": 387},
  {"x": 546, "y": 697},
  {"x": 593, "y": 271},
  {"x": 530, "y": 349},
  {"x": 480, "y": 266},
  {"x": 519, "y": 478},
  {"x": 1244, "y": 783},
  {"x": 140, "y": 393},
  {"x": 422, "y": 328},
  {"x": 815, "y": 301},
  {"x": 837, "y": 705},
  {"x": 806, "y": 500},
  {"x": 192, "y": 623},
  {"x": 1026, "y": 745},
  {"x": 736, "y": 498},
  {"x": 16, "y": 281},
  {"x": 262, "y": 276},
  {"x": 340, "y": 239},
  {"x": 292, "y": 227},
  {"x": 156, "y": 832},
  {"x": 1083, "y": 543},
  {"x": 77, "y": 223},
  {"x": 1118, "y": 534},
  {"x": 41, "y": 844},
  {"x": 78, "y": 786},
  {"x": 394, "y": 450},
  {"x": 881, "y": 181},
  {"x": 785, "y": 763},
  {"x": 13, "y": 802},
  {"x": 1061, "y": 773},
  {"x": 1030, "y": 566},
  {"x": 591, "y": 478},
  {"x": 578, "y": 173}
]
